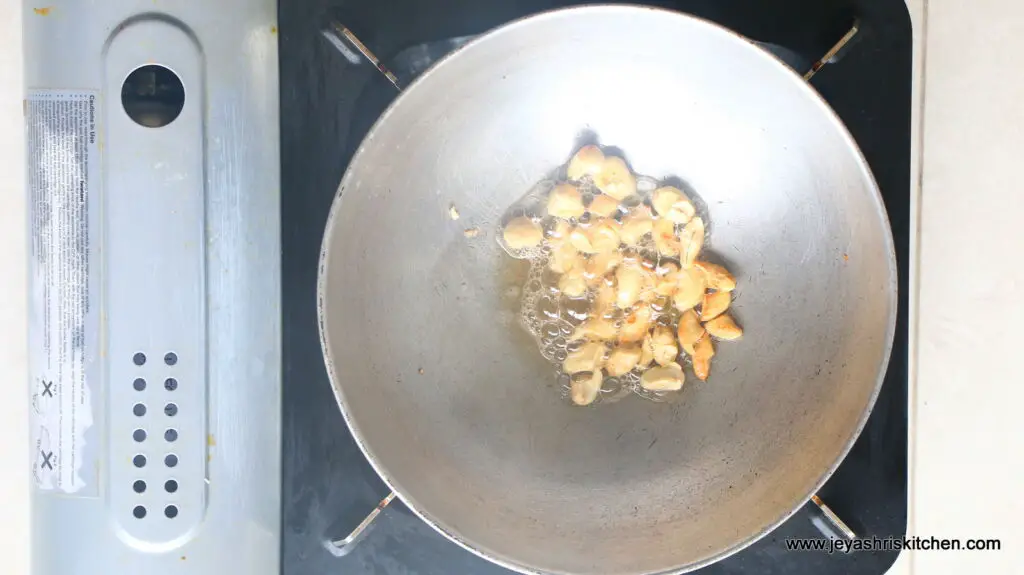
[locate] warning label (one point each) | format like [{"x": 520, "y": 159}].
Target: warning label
[{"x": 63, "y": 164}]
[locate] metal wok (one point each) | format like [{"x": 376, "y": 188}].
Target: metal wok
[{"x": 460, "y": 416}]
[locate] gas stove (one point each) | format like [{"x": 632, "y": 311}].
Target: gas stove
[
  {"x": 178, "y": 420},
  {"x": 343, "y": 62}
]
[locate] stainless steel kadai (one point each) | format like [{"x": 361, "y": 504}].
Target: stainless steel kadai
[{"x": 449, "y": 399}]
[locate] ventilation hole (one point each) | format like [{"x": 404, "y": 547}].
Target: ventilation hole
[
  {"x": 139, "y": 512},
  {"x": 171, "y": 460},
  {"x": 139, "y": 460},
  {"x": 139, "y": 358},
  {"x": 171, "y": 435},
  {"x": 171, "y": 511},
  {"x": 139, "y": 486},
  {"x": 170, "y": 384},
  {"x": 171, "y": 410},
  {"x": 171, "y": 358},
  {"x": 152, "y": 96},
  {"x": 139, "y": 409},
  {"x": 139, "y": 435},
  {"x": 139, "y": 384},
  {"x": 170, "y": 486}
]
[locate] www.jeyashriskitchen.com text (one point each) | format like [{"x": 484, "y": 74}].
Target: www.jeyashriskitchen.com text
[{"x": 836, "y": 545}]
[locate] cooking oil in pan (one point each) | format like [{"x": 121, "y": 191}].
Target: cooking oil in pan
[{"x": 550, "y": 316}]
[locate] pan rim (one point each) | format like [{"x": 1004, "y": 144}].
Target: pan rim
[{"x": 770, "y": 59}]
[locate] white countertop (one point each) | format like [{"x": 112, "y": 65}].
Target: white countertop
[
  {"x": 967, "y": 436},
  {"x": 14, "y": 442},
  {"x": 966, "y": 401}
]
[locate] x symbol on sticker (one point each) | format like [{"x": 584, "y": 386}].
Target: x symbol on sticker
[
  {"x": 46, "y": 464},
  {"x": 47, "y": 388}
]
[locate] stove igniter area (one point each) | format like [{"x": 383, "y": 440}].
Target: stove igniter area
[
  {"x": 154, "y": 270},
  {"x": 155, "y": 254}
]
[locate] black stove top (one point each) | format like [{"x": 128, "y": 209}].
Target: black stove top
[{"x": 327, "y": 105}]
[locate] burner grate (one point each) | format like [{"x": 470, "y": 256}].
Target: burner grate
[{"x": 331, "y": 99}]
